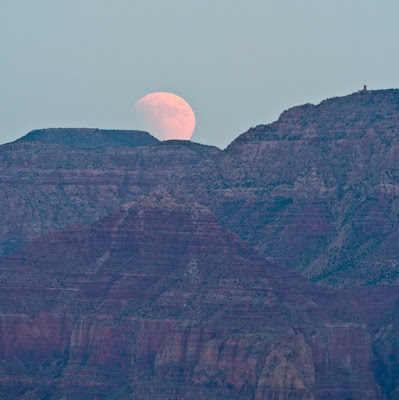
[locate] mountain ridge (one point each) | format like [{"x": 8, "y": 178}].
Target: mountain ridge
[
  {"x": 307, "y": 202},
  {"x": 177, "y": 270},
  {"x": 90, "y": 138},
  {"x": 303, "y": 116}
]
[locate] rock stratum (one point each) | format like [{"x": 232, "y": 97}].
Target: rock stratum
[
  {"x": 45, "y": 185},
  {"x": 158, "y": 300},
  {"x": 316, "y": 190},
  {"x": 134, "y": 269}
]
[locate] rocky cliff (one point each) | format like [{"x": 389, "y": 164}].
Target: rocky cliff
[
  {"x": 160, "y": 301},
  {"x": 316, "y": 190}
]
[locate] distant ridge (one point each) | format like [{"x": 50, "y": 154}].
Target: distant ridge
[
  {"x": 336, "y": 118},
  {"x": 86, "y": 138}
]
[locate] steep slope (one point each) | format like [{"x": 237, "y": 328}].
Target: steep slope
[
  {"x": 84, "y": 138},
  {"x": 160, "y": 301},
  {"x": 316, "y": 191},
  {"x": 47, "y": 186},
  {"x": 378, "y": 306}
]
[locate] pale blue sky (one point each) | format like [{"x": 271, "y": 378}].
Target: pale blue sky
[{"x": 83, "y": 63}]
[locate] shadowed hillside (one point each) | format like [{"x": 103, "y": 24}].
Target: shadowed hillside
[{"x": 316, "y": 191}]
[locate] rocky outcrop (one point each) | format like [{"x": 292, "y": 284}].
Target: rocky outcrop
[
  {"x": 141, "y": 270},
  {"x": 160, "y": 300},
  {"x": 315, "y": 191}
]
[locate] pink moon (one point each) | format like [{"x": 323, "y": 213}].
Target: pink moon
[{"x": 166, "y": 116}]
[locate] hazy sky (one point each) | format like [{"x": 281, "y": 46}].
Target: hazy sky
[{"x": 239, "y": 63}]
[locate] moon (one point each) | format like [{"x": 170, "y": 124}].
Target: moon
[{"x": 166, "y": 116}]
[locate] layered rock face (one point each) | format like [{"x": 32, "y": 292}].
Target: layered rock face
[
  {"x": 316, "y": 191},
  {"x": 45, "y": 185},
  {"x": 133, "y": 269},
  {"x": 160, "y": 301}
]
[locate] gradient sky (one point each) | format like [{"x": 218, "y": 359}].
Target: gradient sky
[{"x": 239, "y": 63}]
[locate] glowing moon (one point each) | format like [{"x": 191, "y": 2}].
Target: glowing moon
[{"x": 166, "y": 116}]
